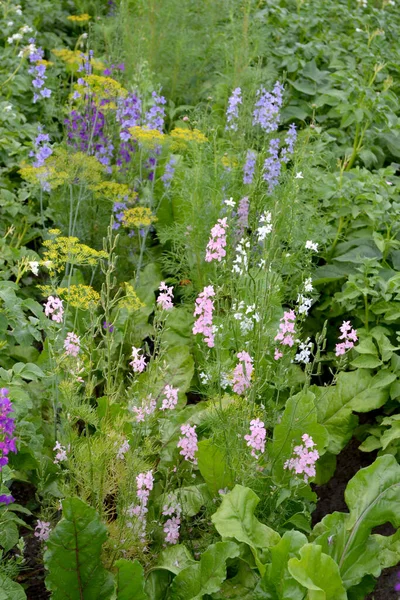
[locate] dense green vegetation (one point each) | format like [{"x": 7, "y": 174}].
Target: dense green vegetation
[{"x": 199, "y": 297}]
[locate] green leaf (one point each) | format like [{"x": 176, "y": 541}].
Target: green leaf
[
  {"x": 235, "y": 519},
  {"x": 306, "y": 87},
  {"x": 130, "y": 580},
  {"x": 10, "y": 590},
  {"x": 354, "y": 391},
  {"x": 205, "y": 576},
  {"x": 366, "y": 361},
  {"x": 317, "y": 572},
  {"x": 366, "y": 346},
  {"x": 277, "y": 582},
  {"x": 299, "y": 417},
  {"x": 213, "y": 466},
  {"x": 9, "y": 535},
  {"x": 73, "y": 555},
  {"x": 174, "y": 559},
  {"x": 373, "y": 498}
]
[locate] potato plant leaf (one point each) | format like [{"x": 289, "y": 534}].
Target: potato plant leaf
[
  {"x": 373, "y": 498},
  {"x": 72, "y": 558},
  {"x": 205, "y": 576}
]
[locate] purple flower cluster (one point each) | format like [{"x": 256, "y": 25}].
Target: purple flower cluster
[
  {"x": 154, "y": 118},
  {"x": 249, "y": 167},
  {"x": 109, "y": 70},
  {"x": 290, "y": 141},
  {"x": 232, "y": 112},
  {"x": 267, "y": 107},
  {"x": 42, "y": 149},
  {"x": 119, "y": 209},
  {"x": 169, "y": 172},
  {"x": 272, "y": 165},
  {"x": 128, "y": 114},
  {"x": 38, "y": 70},
  {"x": 6, "y": 499},
  {"x": 7, "y": 426}
]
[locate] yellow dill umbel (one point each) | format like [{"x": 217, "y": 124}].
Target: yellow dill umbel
[
  {"x": 84, "y": 18},
  {"x": 149, "y": 138},
  {"x": 182, "y": 137},
  {"x": 111, "y": 190},
  {"x": 139, "y": 216},
  {"x": 131, "y": 300},
  {"x": 63, "y": 250}
]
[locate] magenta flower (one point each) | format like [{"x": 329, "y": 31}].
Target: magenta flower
[
  {"x": 304, "y": 459},
  {"x": 42, "y": 530},
  {"x": 286, "y": 330}
]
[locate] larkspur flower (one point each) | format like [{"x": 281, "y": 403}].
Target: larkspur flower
[
  {"x": 188, "y": 443},
  {"x": 217, "y": 242},
  {"x": 34, "y": 267},
  {"x": 108, "y": 327},
  {"x": 308, "y": 286},
  {"x": 249, "y": 167},
  {"x": 169, "y": 172},
  {"x": 304, "y": 352},
  {"x": 7, "y": 427},
  {"x": 42, "y": 530},
  {"x": 232, "y": 112},
  {"x": 265, "y": 226},
  {"x": 310, "y": 245},
  {"x": 172, "y": 507},
  {"x": 277, "y": 354},
  {"x": 349, "y": 335},
  {"x": 138, "y": 363},
  {"x": 241, "y": 377},
  {"x": 164, "y": 299},
  {"x": 204, "y": 315},
  {"x": 241, "y": 260},
  {"x": 123, "y": 449},
  {"x": 290, "y": 141},
  {"x": 256, "y": 438},
  {"x": 272, "y": 165},
  {"x": 72, "y": 344},
  {"x": 304, "y": 459},
  {"x": 147, "y": 408},
  {"x": 154, "y": 118},
  {"x": 267, "y": 108},
  {"x": 304, "y": 304},
  {"x": 6, "y": 499},
  {"x": 38, "y": 70},
  {"x": 144, "y": 485},
  {"x": 54, "y": 308},
  {"x": 171, "y": 529},
  {"x": 61, "y": 453},
  {"x": 286, "y": 330},
  {"x": 171, "y": 398}
]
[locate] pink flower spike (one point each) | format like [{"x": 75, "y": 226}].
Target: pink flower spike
[
  {"x": 277, "y": 354},
  {"x": 349, "y": 335},
  {"x": 217, "y": 242},
  {"x": 242, "y": 373},
  {"x": 204, "y": 313}
]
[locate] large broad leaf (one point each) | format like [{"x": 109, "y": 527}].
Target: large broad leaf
[
  {"x": 10, "y": 590},
  {"x": 130, "y": 580},
  {"x": 213, "y": 466},
  {"x": 317, "y": 572},
  {"x": 235, "y": 519},
  {"x": 354, "y": 391},
  {"x": 72, "y": 558},
  {"x": 174, "y": 559},
  {"x": 277, "y": 582},
  {"x": 299, "y": 417},
  {"x": 206, "y": 576},
  {"x": 373, "y": 498}
]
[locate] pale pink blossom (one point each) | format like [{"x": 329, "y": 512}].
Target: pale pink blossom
[
  {"x": 171, "y": 398},
  {"x": 138, "y": 363},
  {"x": 144, "y": 483},
  {"x": 123, "y": 449},
  {"x": 42, "y": 530},
  {"x": 304, "y": 459},
  {"x": 217, "y": 242},
  {"x": 286, "y": 333},
  {"x": 61, "y": 454},
  {"x": 54, "y": 307},
  {"x": 256, "y": 438},
  {"x": 146, "y": 409},
  {"x": 242, "y": 373},
  {"x": 165, "y": 297},
  {"x": 204, "y": 313},
  {"x": 277, "y": 354},
  {"x": 349, "y": 335},
  {"x": 72, "y": 344},
  {"x": 171, "y": 529},
  {"x": 188, "y": 443}
]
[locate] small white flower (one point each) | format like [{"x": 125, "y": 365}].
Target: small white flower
[
  {"x": 230, "y": 202},
  {"x": 389, "y": 183},
  {"x": 7, "y": 107},
  {"x": 308, "y": 286},
  {"x": 310, "y": 245},
  {"x": 299, "y": 175},
  {"x": 10, "y": 23},
  {"x": 26, "y": 29},
  {"x": 34, "y": 267}
]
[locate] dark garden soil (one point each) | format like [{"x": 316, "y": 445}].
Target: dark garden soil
[{"x": 331, "y": 498}]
